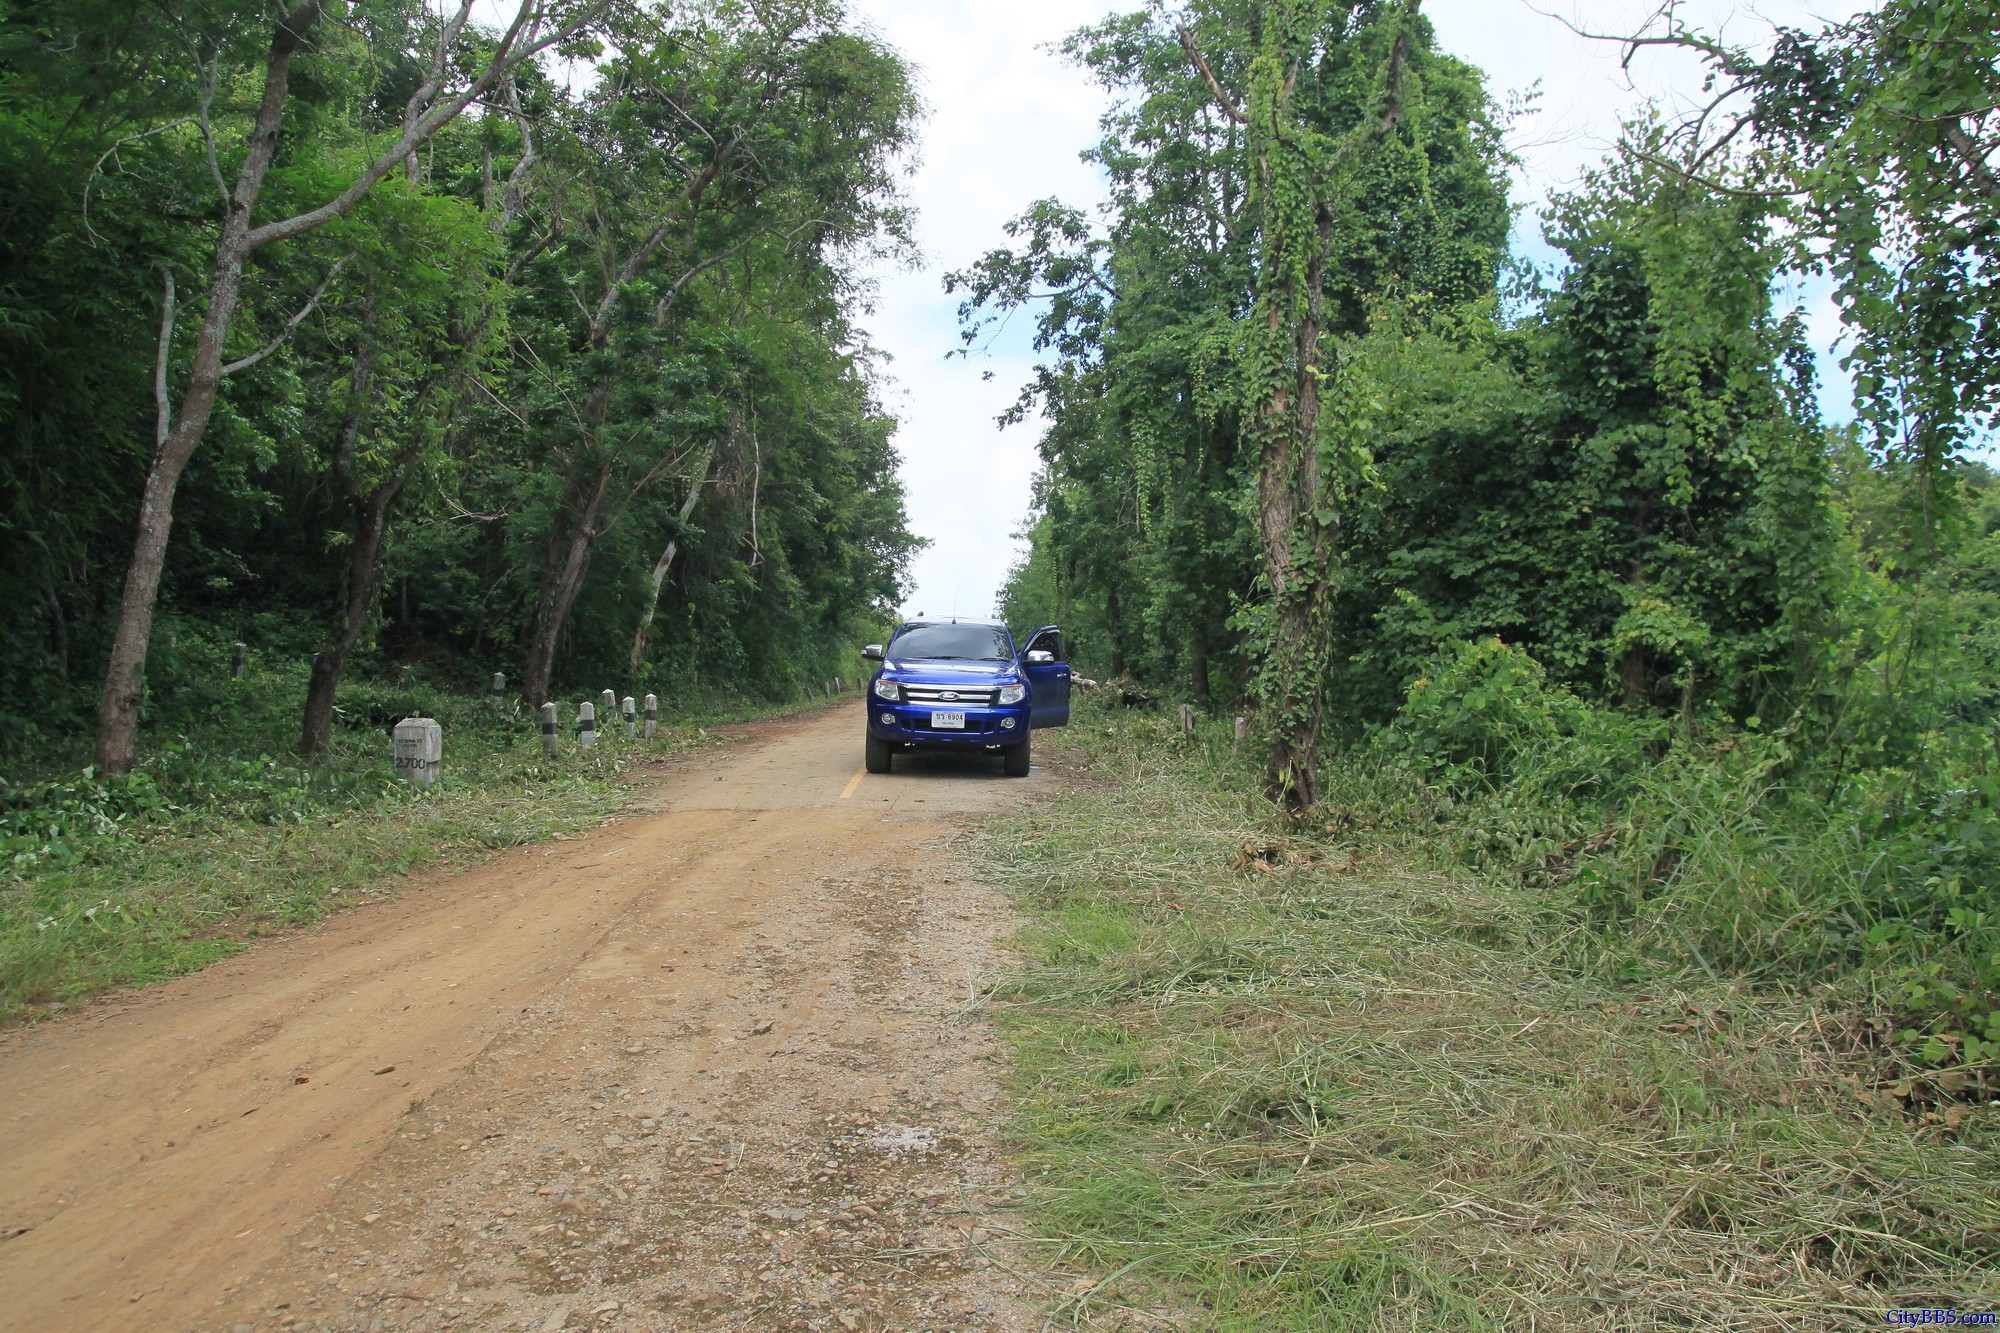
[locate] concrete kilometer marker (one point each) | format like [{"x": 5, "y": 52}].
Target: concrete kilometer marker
[
  {"x": 239, "y": 659},
  {"x": 586, "y": 725},
  {"x": 499, "y": 686},
  {"x": 652, "y": 716},
  {"x": 419, "y": 749},
  {"x": 608, "y": 701},
  {"x": 626, "y": 707},
  {"x": 549, "y": 729}
]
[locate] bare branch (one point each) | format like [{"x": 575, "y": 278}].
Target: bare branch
[
  {"x": 1214, "y": 84},
  {"x": 1709, "y": 182},
  {"x": 163, "y": 409},
  {"x": 600, "y": 320},
  {"x": 420, "y": 100},
  {"x": 1677, "y": 34},
  {"x": 90, "y": 181},
  {"x": 1721, "y": 142},
  {"x": 523, "y": 40},
  {"x": 208, "y": 131},
  {"x": 480, "y": 385},
  {"x": 298, "y": 318},
  {"x": 534, "y": 252},
  {"x": 535, "y": 363},
  {"x": 666, "y": 301},
  {"x": 1971, "y": 154},
  {"x": 516, "y": 194}
]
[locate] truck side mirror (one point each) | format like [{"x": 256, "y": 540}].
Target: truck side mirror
[
  {"x": 1039, "y": 658},
  {"x": 873, "y": 652}
]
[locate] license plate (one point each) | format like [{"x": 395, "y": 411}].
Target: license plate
[{"x": 948, "y": 721}]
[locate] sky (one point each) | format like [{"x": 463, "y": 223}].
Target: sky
[{"x": 1008, "y": 118}]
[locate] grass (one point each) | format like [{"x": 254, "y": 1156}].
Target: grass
[
  {"x": 219, "y": 838},
  {"x": 1274, "y": 1081}
]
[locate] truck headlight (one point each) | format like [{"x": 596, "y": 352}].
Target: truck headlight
[
  {"x": 888, "y": 689},
  {"x": 1013, "y": 694}
]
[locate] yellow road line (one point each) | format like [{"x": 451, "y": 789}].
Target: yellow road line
[{"x": 852, "y": 783}]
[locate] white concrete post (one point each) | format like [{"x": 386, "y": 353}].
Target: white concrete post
[
  {"x": 652, "y": 716},
  {"x": 626, "y": 707},
  {"x": 837, "y": 686},
  {"x": 1187, "y": 720},
  {"x": 419, "y": 749},
  {"x": 499, "y": 687},
  {"x": 403, "y": 679},
  {"x": 1242, "y": 730},
  {"x": 239, "y": 659},
  {"x": 586, "y": 725},
  {"x": 549, "y": 730},
  {"x": 608, "y": 701}
]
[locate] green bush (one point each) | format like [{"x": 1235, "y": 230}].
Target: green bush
[
  {"x": 1486, "y": 715},
  {"x": 1729, "y": 850}
]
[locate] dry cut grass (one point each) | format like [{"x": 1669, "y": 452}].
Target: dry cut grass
[{"x": 1303, "y": 1084}]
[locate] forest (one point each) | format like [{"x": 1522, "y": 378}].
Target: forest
[
  {"x": 365, "y": 335},
  {"x": 1564, "y": 562},
  {"x": 352, "y": 353}
]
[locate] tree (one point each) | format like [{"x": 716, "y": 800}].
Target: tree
[
  {"x": 180, "y": 425},
  {"x": 1882, "y": 132},
  {"x": 419, "y": 335},
  {"x": 1283, "y": 170},
  {"x": 771, "y": 135}
]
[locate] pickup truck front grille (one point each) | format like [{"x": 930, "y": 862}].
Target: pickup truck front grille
[{"x": 962, "y": 697}]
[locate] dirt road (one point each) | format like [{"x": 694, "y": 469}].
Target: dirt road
[{"x": 715, "y": 1066}]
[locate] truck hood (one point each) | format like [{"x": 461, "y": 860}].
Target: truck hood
[{"x": 932, "y": 672}]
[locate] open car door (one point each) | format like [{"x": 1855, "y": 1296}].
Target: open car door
[{"x": 1047, "y": 670}]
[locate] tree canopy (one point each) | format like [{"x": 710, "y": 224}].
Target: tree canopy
[{"x": 567, "y": 365}]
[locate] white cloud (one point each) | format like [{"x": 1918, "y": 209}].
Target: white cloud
[{"x": 1008, "y": 121}]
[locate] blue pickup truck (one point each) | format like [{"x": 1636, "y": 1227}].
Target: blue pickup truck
[{"x": 960, "y": 685}]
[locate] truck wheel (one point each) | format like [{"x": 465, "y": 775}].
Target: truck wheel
[
  {"x": 1016, "y": 758},
  {"x": 876, "y": 754}
]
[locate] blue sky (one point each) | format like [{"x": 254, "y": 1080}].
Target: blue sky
[{"x": 1008, "y": 120}]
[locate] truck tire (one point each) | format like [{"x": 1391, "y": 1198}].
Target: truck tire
[
  {"x": 1016, "y": 759},
  {"x": 876, "y": 755}
]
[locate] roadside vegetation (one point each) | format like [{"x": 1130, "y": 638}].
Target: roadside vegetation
[
  {"x": 1387, "y": 1069},
  {"x": 398, "y": 333},
  {"x": 401, "y": 338},
  {"x": 1600, "y": 928},
  {"x": 1573, "y": 547},
  {"x": 222, "y": 834}
]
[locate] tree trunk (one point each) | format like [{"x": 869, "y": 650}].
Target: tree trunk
[
  {"x": 58, "y": 630},
  {"x": 1115, "y": 662},
  {"x": 125, "y": 671},
  {"x": 1297, "y": 545},
  {"x": 177, "y": 434},
  {"x": 364, "y": 578},
  {"x": 665, "y": 563},
  {"x": 562, "y": 578}
]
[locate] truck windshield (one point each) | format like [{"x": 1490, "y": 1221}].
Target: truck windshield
[{"x": 978, "y": 643}]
